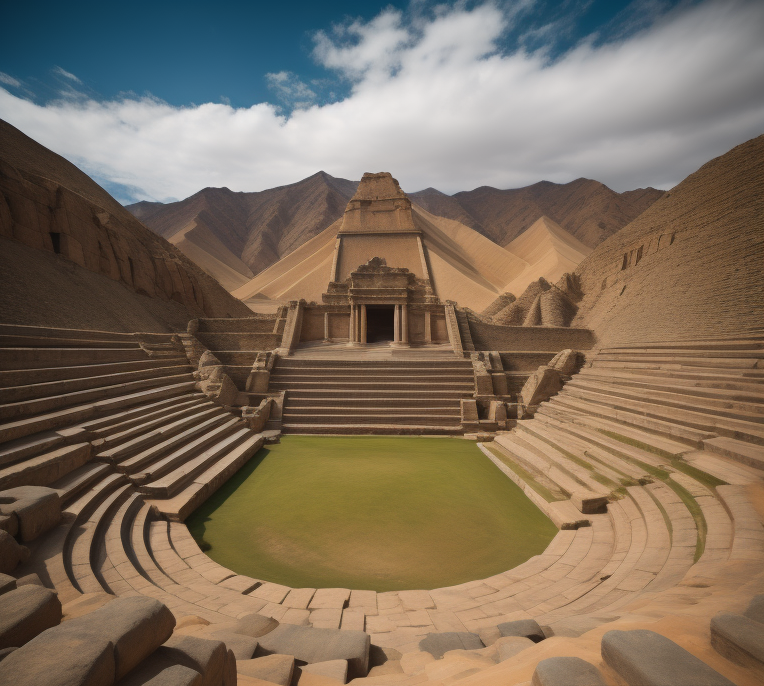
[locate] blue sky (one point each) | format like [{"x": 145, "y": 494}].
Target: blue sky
[{"x": 156, "y": 101}]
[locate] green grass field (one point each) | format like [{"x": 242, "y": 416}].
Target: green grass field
[{"x": 381, "y": 513}]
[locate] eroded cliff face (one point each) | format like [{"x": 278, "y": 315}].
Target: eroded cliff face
[{"x": 43, "y": 213}]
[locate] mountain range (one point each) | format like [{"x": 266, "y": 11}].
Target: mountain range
[{"x": 249, "y": 232}]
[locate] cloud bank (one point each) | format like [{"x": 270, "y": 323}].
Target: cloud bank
[{"x": 436, "y": 101}]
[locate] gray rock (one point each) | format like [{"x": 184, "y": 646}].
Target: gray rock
[
  {"x": 755, "y": 609},
  {"x": 489, "y": 635},
  {"x": 154, "y": 672},
  {"x": 136, "y": 626},
  {"x": 5, "y": 652},
  {"x": 37, "y": 508},
  {"x": 275, "y": 668},
  {"x": 204, "y": 655},
  {"x": 509, "y": 646},
  {"x": 523, "y": 627},
  {"x": 740, "y": 639},
  {"x": 320, "y": 645},
  {"x": 7, "y": 583},
  {"x": 61, "y": 656},
  {"x": 243, "y": 647},
  {"x": 646, "y": 658},
  {"x": 11, "y": 553},
  {"x": 566, "y": 671},
  {"x": 331, "y": 669},
  {"x": 26, "y": 612},
  {"x": 439, "y": 643}
]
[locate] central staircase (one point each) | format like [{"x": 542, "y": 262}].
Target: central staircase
[{"x": 380, "y": 396}]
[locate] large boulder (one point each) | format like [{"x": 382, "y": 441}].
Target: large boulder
[
  {"x": 37, "y": 509},
  {"x": 26, "y": 612},
  {"x": 7, "y": 583},
  {"x": 156, "y": 672},
  {"x": 95, "y": 649},
  {"x": 203, "y": 655},
  {"x": 740, "y": 639},
  {"x": 277, "y": 669},
  {"x": 527, "y": 628},
  {"x": 320, "y": 645},
  {"x": 540, "y": 386},
  {"x": 755, "y": 609},
  {"x": 650, "y": 659}
]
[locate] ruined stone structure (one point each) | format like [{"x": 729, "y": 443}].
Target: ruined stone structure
[{"x": 638, "y": 431}]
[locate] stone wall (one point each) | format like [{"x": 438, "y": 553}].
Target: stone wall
[
  {"x": 540, "y": 338},
  {"x": 688, "y": 267}
]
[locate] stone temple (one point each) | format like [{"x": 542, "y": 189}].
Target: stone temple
[{"x": 621, "y": 390}]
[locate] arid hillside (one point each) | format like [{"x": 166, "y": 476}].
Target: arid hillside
[
  {"x": 691, "y": 265},
  {"x": 586, "y": 209},
  {"x": 72, "y": 256},
  {"x": 261, "y": 228}
]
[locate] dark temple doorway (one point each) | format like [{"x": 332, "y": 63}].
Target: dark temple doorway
[{"x": 380, "y": 324}]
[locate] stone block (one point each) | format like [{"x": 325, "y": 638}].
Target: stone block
[
  {"x": 440, "y": 643},
  {"x": 331, "y": 669},
  {"x": 85, "y": 604},
  {"x": 229, "y": 669},
  {"x": 7, "y": 583},
  {"x": 755, "y": 609},
  {"x": 529, "y": 628},
  {"x": 29, "y": 580},
  {"x": 320, "y": 645},
  {"x": 329, "y": 598},
  {"x": 740, "y": 639},
  {"x": 243, "y": 647},
  {"x": 253, "y": 625},
  {"x": 275, "y": 668},
  {"x": 135, "y": 626},
  {"x": 540, "y": 386},
  {"x": 5, "y": 652},
  {"x": 9, "y": 523},
  {"x": 25, "y": 613},
  {"x": 203, "y": 655},
  {"x": 61, "y": 656},
  {"x": 489, "y": 635},
  {"x": 589, "y": 503},
  {"x": 566, "y": 671},
  {"x": 650, "y": 659},
  {"x": 38, "y": 509}
]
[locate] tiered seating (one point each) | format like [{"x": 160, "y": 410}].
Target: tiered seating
[
  {"x": 237, "y": 342},
  {"x": 373, "y": 396}
]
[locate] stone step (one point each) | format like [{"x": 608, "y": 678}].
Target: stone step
[
  {"x": 153, "y": 453},
  {"x": 733, "y": 409},
  {"x": 357, "y": 394},
  {"x": 118, "y": 433},
  {"x": 260, "y": 324},
  {"x": 293, "y": 409},
  {"x": 371, "y": 370},
  {"x": 119, "y": 421},
  {"x": 41, "y": 390},
  {"x": 83, "y": 538},
  {"x": 680, "y": 354},
  {"x": 171, "y": 461},
  {"x": 21, "y": 448},
  {"x": 47, "y": 404},
  {"x": 207, "y": 482},
  {"x": 22, "y": 341},
  {"x": 692, "y": 436},
  {"x": 752, "y": 341},
  {"x": 384, "y": 418},
  {"x": 721, "y": 387},
  {"x": 335, "y": 403},
  {"x": 31, "y": 358},
  {"x": 20, "y": 377},
  {"x": 43, "y": 470},
  {"x": 79, "y": 334},
  {"x": 330, "y": 384},
  {"x": 88, "y": 500},
  {"x": 239, "y": 357},
  {"x": 239, "y": 341},
  {"x": 449, "y": 362},
  {"x": 740, "y": 451},
  {"x": 375, "y": 429},
  {"x": 79, "y": 413},
  {"x": 381, "y": 378},
  {"x": 175, "y": 480},
  {"x": 699, "y": 421},
  {"x": 76, "y": 481},
  {"x": 119, "y": 452},
  {"x": 701, "y": 364}
]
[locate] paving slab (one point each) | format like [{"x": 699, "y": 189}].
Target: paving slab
[{"x": 330, "y": 598}]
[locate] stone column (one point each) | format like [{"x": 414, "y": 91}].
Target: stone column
[
  {"x": 405, "y": 324},
  {"x": 351, "y": 328},
  {"x": 427, "y": 327},
  {"x": 363, "y": 323},
  {"x": 397, "y": 325},
  {"x": 326, "y": 326}
]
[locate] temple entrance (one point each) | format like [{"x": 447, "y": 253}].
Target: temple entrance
[{"x": 380, "y": 323}]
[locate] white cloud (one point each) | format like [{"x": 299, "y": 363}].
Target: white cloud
[
  {"x": 290, "y": 90},
  {"x": 435, "y": 102},
  {"x": 8, "y": 80},
  {"x": 59, "y": 71}
]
